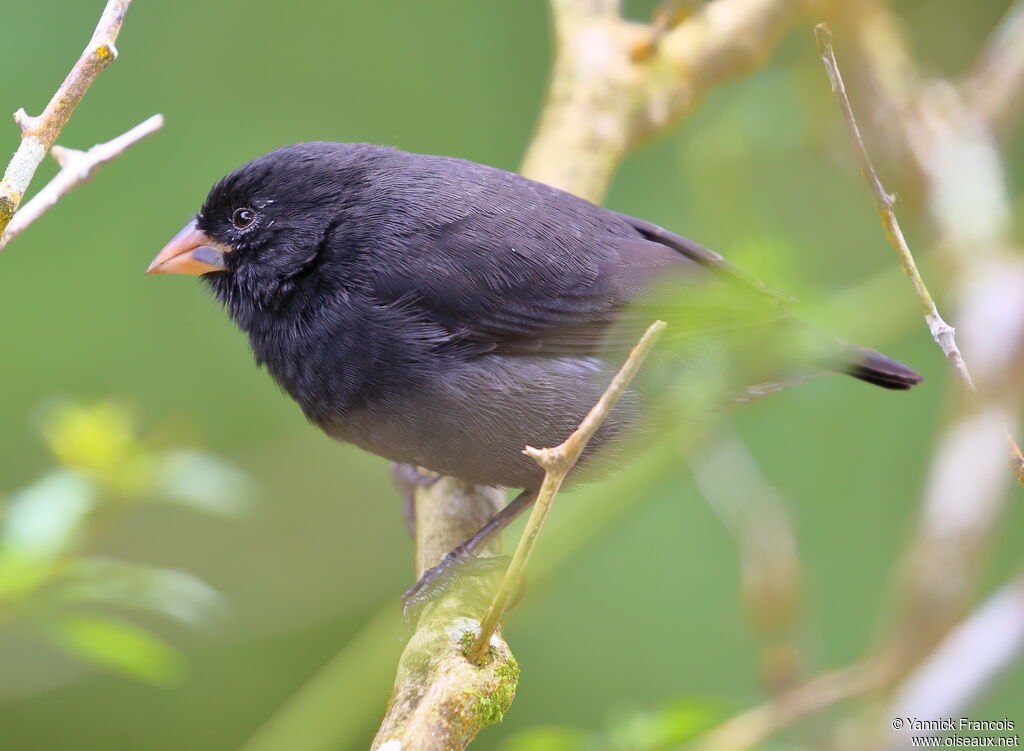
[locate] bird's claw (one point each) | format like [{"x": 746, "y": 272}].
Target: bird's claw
[{"x": 438, "y": 581}]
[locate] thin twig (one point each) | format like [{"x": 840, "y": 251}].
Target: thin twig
[
  {"x": 976, "y": 651},
  {"x": 982, "y": 646},
  {"x": 942, "y": 332},
  {"x": 76, "y": 167},
  {"x": 750, "y": 728},
  {"x": 557, "y": 462},
  {"x": 767, "y": 388},
  {"x": 39, "y": 133}
]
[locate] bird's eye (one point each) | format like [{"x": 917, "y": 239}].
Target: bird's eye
[{"x": 243, "y": 218}]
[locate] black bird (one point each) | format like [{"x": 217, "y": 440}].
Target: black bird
[{"x": 437, "y": 312}]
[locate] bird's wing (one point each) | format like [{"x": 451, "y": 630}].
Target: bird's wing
[
  {"x": 498, "y": 282},
  {"x": 708, "y": 259}
]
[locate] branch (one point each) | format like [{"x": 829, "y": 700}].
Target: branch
[
  {"x": 77, "y": 167},
  {"x": 942, "y": 332},
  {"x": 441, "y": 699},
  {"x": 557, "y": 462},
  {"x": 969, "y": 208},
  {"x": 754, "y": 726},
  {"x": 615, "y": 83},
  {"x": 726, "y": 38},
  {"x": 39, "y": 133},
  {"x": 457, "y": 674},
  {"x": 970, "y": 657}
]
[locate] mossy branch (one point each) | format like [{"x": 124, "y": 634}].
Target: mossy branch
[{"x": 441, "y": 699}]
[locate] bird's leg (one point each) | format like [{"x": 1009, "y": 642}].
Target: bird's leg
[
  {"x": 463, "y": 561},
  {"x": 408, "y": 477}
]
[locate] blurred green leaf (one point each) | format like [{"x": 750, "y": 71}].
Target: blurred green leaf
[
  {"x": 20, "y": 574},
  {"x": 118, "y": 645},
  {"x": 46, "y": 527},
  {"x": 176, "y": 594},
  {"x": 42, "y": 520},
  {"x": 549, "y": 738},
  {"x": 772, "y": 259},
  {"x": 658, "y": 729},
  {"x": 100, "y": 439},
  {"x": 203, "y": 482},
  {"x": 665, "y": 727}
]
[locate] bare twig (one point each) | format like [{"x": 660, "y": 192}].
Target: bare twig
[
  {"x": 767, "y": 388},
  {"x": 76, "y": 167},
  {"x": 752, "y": 727},
  {"x": 980, "y": 648},
  {"x": 953, "y": 149},
  {"x": 557, "y": 462},
  {"x": 39, "y": 133},
  {"x": 942, "y": 332}
]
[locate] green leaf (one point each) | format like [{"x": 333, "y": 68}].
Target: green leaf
[
  {"x": 100, "y": 440},
  {"x": 203, "y": 482},
  {"x": 176, "y": 594},
  {"x": 42, "y": 520},
  {"x": 118, "y": 645},
  {"x": 549, "y": 738},
  {"x": 665, "y": 727}
]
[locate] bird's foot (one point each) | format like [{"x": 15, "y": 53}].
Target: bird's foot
[
  {"x": 408, "y": 477},
  {"x": 456, "y": 568}
]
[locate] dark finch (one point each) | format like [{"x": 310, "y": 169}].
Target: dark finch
[{"x": 437, "y": 312}]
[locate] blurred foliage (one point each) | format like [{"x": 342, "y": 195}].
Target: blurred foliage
[
  {"x": 760, "y": 171},
  {"x": 662, "y": 728},
  {"x": 52, "y": 587}
]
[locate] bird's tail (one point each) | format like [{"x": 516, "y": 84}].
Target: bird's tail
[
  {"x": 825, "y": 351},
  {"x": 877, "y": 369}
]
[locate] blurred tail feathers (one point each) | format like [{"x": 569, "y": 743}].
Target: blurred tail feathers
[{"x": 877, "y": 369}]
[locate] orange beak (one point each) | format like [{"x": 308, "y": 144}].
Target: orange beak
[{"x": 191, "y": 251}]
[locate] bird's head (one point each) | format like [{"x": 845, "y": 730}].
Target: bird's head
[{"x": 266, "y": 223}]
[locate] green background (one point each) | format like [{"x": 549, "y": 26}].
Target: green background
[{"x": 648, "y": 610}]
